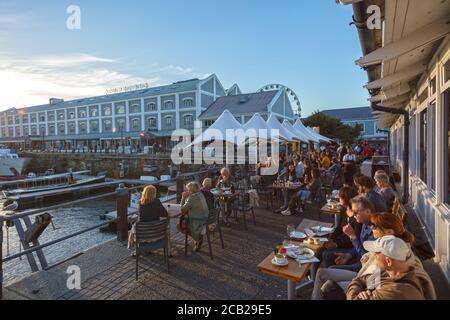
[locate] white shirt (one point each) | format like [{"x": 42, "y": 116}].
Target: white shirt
[{"x": 349, "y": 157}]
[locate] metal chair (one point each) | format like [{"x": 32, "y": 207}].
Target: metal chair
[
  {"x": 213, "y": 218},
  {"x": 242, "y": 204},
  {"x": 151, "y": 236}
]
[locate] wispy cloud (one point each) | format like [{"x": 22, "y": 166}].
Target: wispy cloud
[{"x": 32, "y": 81}]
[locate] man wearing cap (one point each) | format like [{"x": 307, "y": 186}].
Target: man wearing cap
[{"x": 396, "y": 279}]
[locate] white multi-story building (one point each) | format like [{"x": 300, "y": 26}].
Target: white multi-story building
[{"x": 159, "y": 110}]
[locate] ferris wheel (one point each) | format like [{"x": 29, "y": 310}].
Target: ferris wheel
[{"x": 293, "y": 98}]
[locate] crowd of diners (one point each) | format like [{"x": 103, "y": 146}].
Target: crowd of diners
[{"x": 367, "y": 257}]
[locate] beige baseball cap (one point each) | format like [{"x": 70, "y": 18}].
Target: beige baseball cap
[{"x": 390, "y": 246}]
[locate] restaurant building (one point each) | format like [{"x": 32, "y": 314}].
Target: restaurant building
[{"x": 407, "y": 58}]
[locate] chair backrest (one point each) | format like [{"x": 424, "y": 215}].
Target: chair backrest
[
  {"x": 213, "y": 216},
  {"x": 151, "y": 231}
]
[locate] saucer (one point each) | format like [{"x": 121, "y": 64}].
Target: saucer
[{"x": 285, "y": 262}]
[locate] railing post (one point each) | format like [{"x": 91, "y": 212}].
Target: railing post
[
  {"x": 180, "y": 187},
  {"x": 122, "y": 212}
]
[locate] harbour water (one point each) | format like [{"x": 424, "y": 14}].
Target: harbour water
[{"x": 67, "y": 220}]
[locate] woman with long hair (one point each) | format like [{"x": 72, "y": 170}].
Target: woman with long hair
[{"x": 383, "y": 224}]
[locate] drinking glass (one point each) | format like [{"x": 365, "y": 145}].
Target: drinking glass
[{"x": 289, "y": 229}]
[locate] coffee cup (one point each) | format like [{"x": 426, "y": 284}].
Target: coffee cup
[{"x": 279, "y": 258}]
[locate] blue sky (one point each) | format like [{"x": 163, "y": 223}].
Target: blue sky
[{"x": 305, "y": 45}]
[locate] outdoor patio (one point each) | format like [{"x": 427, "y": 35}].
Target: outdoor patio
[{"x": 108, "y": 270}]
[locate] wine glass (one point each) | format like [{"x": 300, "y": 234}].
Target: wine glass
[
  {"x": 289, "y": 230},
  {"x": 328, "y": 199}
]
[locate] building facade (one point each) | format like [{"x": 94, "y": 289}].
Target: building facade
[
  {"x": 244, "y": 106},
  {"x": 362, "y": 116},
  {"x": 113, "y": 117},
  {"x": 408, "y": 66}
]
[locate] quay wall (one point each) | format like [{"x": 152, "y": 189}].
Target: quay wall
[{"x": 133, "y": 166}]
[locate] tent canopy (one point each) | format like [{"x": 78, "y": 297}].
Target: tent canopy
[
  {"x": 303, "y": 137},
  {"x": 226, "y": 121},
  {"x": 319, "y": 136},
  {"x": 298, "y": 125},
  {"x": 258, "y": 123},
  {"x": 273, "y": 123}
]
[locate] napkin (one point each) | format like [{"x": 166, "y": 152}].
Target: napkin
[{"x": 312, "y": 260}]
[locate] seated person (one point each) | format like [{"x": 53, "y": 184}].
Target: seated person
[
  {"x": 397, "y": 279},
  {"x": 150, "y": 209},
  {"x": 297, "y": 202},
  {"x": 206, "y": 190},
  {"x": 349, "y": 259},
  {"x": 383, "y": 224},
  {"x": 194, "y": 206},
  {"x": 338, "y": 239},
  {"x": 366, "y": 186},
  {"x": 325, "y": 161},
  {"x": 225, "y": 181},
  {"x": 384, "y": 188},
  {"x": 291, "y": 173},
  {"x": 333, "y": 170}
]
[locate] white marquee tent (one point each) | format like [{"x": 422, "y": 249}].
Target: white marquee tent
[
  {"x": 273, "y": 123},
  {"x": 303, "y": 137},
  {"x": 257, "y": 123},
  {"x": 298, "y": 125}
]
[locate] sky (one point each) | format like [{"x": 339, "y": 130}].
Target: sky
[{"x": 305, "y": 45}]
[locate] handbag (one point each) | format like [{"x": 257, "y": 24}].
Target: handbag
[{"x": 183, "y": 225}]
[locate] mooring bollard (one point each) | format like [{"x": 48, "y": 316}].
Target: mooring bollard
[{"x": 122, "y": 212}]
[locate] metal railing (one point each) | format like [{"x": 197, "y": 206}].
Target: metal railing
[{"x": 122, "y": 200}]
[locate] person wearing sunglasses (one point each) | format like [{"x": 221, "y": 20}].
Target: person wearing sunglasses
[
  {"x": 348, "y": 259},
  {"x": 383, "y": 224}
]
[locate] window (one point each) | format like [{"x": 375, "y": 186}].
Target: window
[
  {"x": 107, "y": 111},
  {"x": 432, "y": 144},
  {"x": 51, "y": 130},
  {"x": 41, "y": 117},
  {"x": 121, "y": 124},
  {"x": 93, "y": 111},
  {"x": 24, "y": 119},
  {"x": 71, "y": 115},
  {"x": 61, "y": 115},
  {"x": 16, "y": 120},
  {"x": 208, "y": 123},
  {"x": 168, "y": 104},
  {"x": 433, "y": 86},
  {"x": 82, "y": 127},
  {"x": 447, "y": 71},
  {"x": 169, "y": 121},
  {"x": 25, "y": 131},
  {"x": 135, "y": 108},
  {"x": 34, "y": 130},
  {"x": 10, "y": 120},
  {"x": 42, "y": 130},
  {"x": 423, "y": 96},
  {"x": 94, "y": 126},
  {"x": 151, "y": 106},
  {"x": 51, "y": 116},
  {"x": 423, "y": 145},
  {"x": 33, "y": 118},
  {"x": 152, "y": 123},
  {"x": 11, "y": 132},
  {"x": 135, "y": 124},
  {"x": 72, "y": 128},
  {"x": 107, "y": 125},
  {"x": 61, "y": 129},
  {"x": 446, "y": 102},
  {"x": 187, "y": 120},
  {"x": 188, "y": 102},
  {"x": 82, "y": 113},
  {"x": 120, "y": 109}
]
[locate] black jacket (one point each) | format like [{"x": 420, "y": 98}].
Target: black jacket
[{"x": 152, "y": 211}]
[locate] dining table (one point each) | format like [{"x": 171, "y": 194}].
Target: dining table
[
  {"x": 295, "y": 273},
  {"x": 286, "y": 189},
  {"x": 333, "y": 209}
]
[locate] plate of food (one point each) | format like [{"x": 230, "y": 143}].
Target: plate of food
[
  {"x": 303, "y": 253},
  {"x": 298, "y": 235},
  {"x": 279, "y": 260}
]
